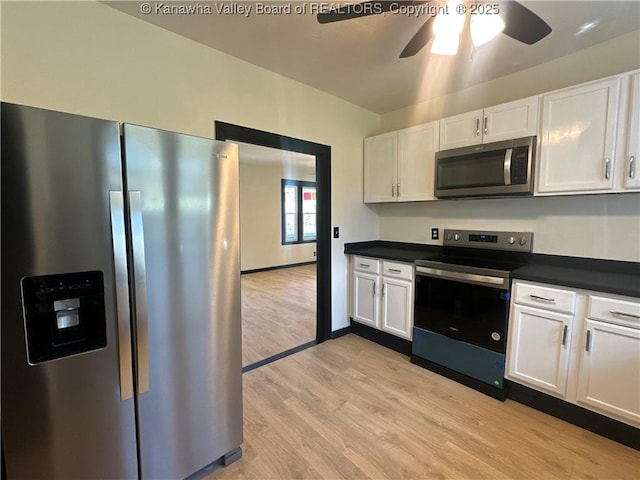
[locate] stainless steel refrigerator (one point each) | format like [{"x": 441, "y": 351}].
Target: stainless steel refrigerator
[{"x": 121, "y": 343}]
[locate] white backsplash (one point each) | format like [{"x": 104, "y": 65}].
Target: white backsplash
[{"x": 593, "y": 226}]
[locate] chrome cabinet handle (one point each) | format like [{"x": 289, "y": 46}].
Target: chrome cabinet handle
[
  {"x": 607, "y": 168},
  {"x": 397, "y": 189},
  {"x": 393, "y": 190},
  {"x": 624, "y": 314},
  {"x": 485, "y": 125},
  {"x": 365, "y": 265},
  {"x": 374, "y": 288},
  {"x": 564, "y": 335},
  {"x": 588, "y": 342},
  {"x": 140, "y": 288},
  {"x": 395, "y": 270},
  {"x": 383, "y": 285},
  {"x": 632, "y": 167},
  {"x": 477, "y": 127},
  {"x": 542, "y": 299},
  {"x": 119, "y": 245}
]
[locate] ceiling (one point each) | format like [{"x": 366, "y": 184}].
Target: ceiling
[{"x": 357, "y": 59}]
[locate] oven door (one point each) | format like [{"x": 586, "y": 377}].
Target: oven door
[{"x": 473, "y": 308}]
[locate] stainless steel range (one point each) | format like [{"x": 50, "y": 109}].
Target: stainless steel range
[{"x": 461, "y": 306}]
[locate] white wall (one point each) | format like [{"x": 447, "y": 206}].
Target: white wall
[
  {"x": 261, "y": 216},
  {"x": 87, "y": 58},
  {"x": 601, "y": 226}
]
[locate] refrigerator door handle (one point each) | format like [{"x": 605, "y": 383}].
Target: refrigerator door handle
[
  {"x": 140, "y": 289},
  {"x": 119, "y": 245}
]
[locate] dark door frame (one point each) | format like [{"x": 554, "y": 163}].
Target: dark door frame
[{"x": 236, "y": 133}]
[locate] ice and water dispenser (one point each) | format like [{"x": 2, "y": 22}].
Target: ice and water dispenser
[{"x": 64, "y": 315}]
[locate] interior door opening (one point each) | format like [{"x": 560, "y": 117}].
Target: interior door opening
[{"x": 302, "y": 271}]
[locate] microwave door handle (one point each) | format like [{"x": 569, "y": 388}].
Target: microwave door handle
[{"x": 507, "y": 166}]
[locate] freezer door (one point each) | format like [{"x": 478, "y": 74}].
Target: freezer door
[
  {"x": 184, "y": 214},
  {"x": 67, "y": 406}
]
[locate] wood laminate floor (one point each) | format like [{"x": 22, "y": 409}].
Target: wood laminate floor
[
  {"x": 278, "y": 311},
  {"x": 351, "y": 409}
]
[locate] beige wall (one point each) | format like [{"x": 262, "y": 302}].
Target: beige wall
[
  {"x": 87, "y": 58},
  {"x": 609, "y": 58},
  {"x": 602, "y": 226},
  {"x": 261, "y": 215}
]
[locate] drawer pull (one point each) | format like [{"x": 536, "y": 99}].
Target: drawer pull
[
  {"x": 564, "y": 335},
  {"x": 588, "y": 343},
  {"x": 624, "y": 314},
  {"x": 364, "y": 265},
  {"x": 374, "y": 289},
  {"x": 543, "y": 299},
  {"x": 395, "y": 270},
  {"x": 383, "y": 289}
]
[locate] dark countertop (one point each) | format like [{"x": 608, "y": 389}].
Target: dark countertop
[{"x": 607, "y": 276}]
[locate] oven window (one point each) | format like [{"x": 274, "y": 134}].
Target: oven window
[
  {"x": 472, "y": 313},
  {"x": 484, "y": 169}
]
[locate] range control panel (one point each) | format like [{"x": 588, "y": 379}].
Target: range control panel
[{"x": 514, "y": 241}]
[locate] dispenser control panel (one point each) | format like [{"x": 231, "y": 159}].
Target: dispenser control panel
[{"x": 64, "y": 315}]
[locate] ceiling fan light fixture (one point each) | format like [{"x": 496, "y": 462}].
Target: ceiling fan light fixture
[
  {"x": 445, "y": 44},
  {"x": 450, "y": 20},
  {"x": 485, "y": 27}
]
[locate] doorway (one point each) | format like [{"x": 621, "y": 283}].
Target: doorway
[{"x": 322, "y": 154}]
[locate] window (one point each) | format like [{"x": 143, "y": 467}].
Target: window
[{"x": 298, "y": 211}]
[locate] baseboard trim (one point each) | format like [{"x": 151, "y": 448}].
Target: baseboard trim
[
  {"x": 592, "y": 421},
  {"x": 278, "y": 267},
  {"x": 385, "y": 339},
  {"x": 278, "y": 356},
  {"x": 341, "y": 333}
]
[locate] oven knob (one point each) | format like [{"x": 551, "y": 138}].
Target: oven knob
[
  {"x": 512, "y": 240},
  {"x": 523, "y": 241},
  {"x": 456, "y": 237}
]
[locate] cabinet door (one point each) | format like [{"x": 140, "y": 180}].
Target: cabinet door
[
  {"x": 538, "y": 348},
  {"x": 417, "y": 147},
  {"x": 397, "y": 307},
  {"x": 380, "y": 168},
  {"x": 511, "y": 120},
  {"x": 577, "y": 139},
  {"x": 365, "y": 299},
  {"x": 461, "y": 130},
  {"x": 610, "y": 371},
  {"x": 630, "y": 170}
]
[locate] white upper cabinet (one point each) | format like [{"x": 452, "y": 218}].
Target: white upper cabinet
[
  {"x": 630, "y": 143},
  {"x": 380, "y": 167},
  {"x": 461, "y": 130},
  {"x": 399, "y": 166},
  {"x": 417, "y": 147},
  {"x": 578, "y": 132},
  {"x": 510, "y": 120},
  {"x": 501, "y": 122}
]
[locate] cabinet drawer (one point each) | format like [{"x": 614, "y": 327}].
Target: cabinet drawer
[
  {"x": 398, "y": 270},
  {"x": 548, "y": 298},
  {"x": 366, "y": 264},
  {"x": 620, "y": 312}
]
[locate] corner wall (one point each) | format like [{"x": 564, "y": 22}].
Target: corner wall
[{"x": 90, "y": 59}]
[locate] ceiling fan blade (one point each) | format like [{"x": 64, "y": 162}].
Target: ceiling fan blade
[
  {"x": 419, "y": 40},
  {"x": 522, "y": 24},
  {"x": 359, "y": 10}
]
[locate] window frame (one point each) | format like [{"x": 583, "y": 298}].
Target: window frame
[{"x": 299, "y": 212}]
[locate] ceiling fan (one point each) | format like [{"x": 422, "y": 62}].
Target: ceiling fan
[{"x": 515, "y": 21}]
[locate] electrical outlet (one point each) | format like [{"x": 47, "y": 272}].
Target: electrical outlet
[
  {"x": 336, "y": 232},
  {"x": 435, "y": 234}
]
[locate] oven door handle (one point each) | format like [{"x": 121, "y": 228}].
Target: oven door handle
[{"x": 488, "y": 280}]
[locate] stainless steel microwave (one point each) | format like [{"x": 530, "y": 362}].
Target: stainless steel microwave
[{"x": 489, "y": 170}]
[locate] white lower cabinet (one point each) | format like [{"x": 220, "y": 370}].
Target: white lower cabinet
[
  {"x": 587, "y": 353},
  {"x": 382, "y": 295},
  {"x": 539, "y": 348}
]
